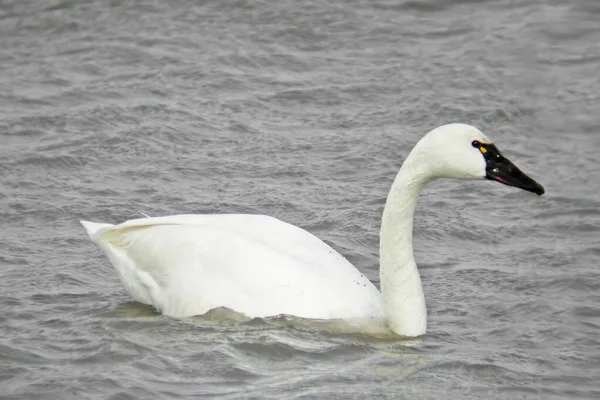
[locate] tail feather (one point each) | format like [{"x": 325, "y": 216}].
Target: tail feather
[{"x": 94, "y": 228}]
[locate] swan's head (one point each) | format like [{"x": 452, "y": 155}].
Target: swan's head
[{"x": 463, "y": 152}]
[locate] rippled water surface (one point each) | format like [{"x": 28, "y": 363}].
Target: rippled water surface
[{"x": 304, "y": 111}]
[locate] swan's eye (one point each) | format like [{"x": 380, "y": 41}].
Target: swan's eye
[{"x": 475, "y": 144}]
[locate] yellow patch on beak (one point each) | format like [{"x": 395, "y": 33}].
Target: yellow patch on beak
[{"x": 483, "y": 150}]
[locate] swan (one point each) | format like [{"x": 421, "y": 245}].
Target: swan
[{"x": 186, "y": 265}]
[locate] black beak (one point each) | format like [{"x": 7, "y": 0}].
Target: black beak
[{"x": 501, "y": 169}]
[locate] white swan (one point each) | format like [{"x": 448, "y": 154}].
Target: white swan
[{"x": 186, "y": 265}]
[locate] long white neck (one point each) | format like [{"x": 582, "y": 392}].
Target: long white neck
[{"x": 404, "y": 302}]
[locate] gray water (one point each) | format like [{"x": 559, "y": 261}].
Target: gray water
[{"x": 304, "y": 111}]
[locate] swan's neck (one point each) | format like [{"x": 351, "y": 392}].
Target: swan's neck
[{"x": 404, "y": 302}]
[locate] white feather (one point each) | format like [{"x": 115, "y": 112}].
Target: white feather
[{"x": 254, "y": 264}]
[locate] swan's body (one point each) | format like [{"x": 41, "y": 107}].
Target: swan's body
[
  {"x": 257, "y": 265},
  {"x": 186, "y": 265}
]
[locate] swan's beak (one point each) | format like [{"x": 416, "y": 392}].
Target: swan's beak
[{"x": 501, "y": 169}]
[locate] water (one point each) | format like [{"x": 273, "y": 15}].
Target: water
[{"x": 304, "y": 111}]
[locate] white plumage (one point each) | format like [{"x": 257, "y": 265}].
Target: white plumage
[{"x": 186, "y": 265}]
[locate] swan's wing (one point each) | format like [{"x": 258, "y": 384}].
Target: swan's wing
[
  {"x": 272, "y": 232},
  {"x": 260, "y": 266}
]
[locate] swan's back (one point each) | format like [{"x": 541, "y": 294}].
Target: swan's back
[{"x": 254, "y": 264}]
